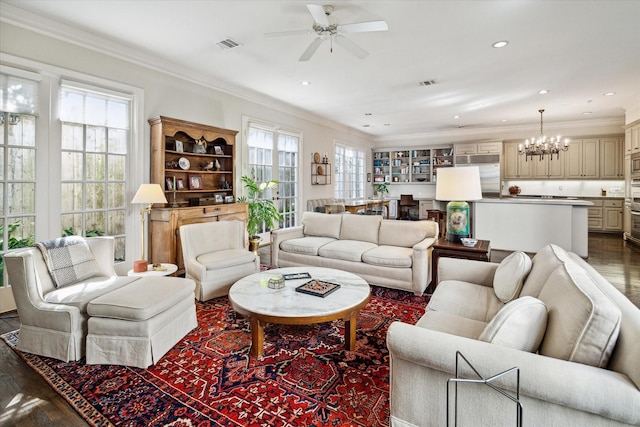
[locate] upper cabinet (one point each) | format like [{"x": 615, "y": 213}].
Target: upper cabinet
[
  {"x": 478, "y": 148},
  {"x": 582, "y": 159},
  {"x": 192, "y": 161},
  {"x": 589, "y": 158}
]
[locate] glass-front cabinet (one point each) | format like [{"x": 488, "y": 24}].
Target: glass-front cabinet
[{"x": 410, "y": 165}]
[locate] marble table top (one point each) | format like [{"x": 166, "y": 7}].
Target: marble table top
[{"x": 252, "y": 293}]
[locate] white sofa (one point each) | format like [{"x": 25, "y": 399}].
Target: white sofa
[
  {"x": 395, "y": 254},
  {"x": 573, "y": 336}
]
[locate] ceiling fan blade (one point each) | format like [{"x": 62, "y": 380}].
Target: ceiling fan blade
[
  {"x": 363, "y": 27},
  {"x": 318, "y": 14},
  {"x": 311, "y": 49},
  {"x": 288, "y": 33},
  {"x": 351, "y": 47}
]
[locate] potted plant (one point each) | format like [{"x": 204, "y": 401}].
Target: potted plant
[
  {"x": 261, "y": 211},
  {"x": 382, "y": 188}
]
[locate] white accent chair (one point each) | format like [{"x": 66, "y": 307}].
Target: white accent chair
[
  {"x": 53, "y": 322},
  {"x": 215, "y": 256}
]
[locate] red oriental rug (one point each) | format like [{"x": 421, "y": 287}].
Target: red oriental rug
[{"x": 306, "y": 378}]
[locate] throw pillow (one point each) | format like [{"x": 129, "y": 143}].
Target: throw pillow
[
  {"x": 520, "y": 325},
  {"x": 510, "y": 275},
  {"x": 69, "y": 260}
]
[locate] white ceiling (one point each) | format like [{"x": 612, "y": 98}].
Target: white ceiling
[{"x": 578, "y": 50}]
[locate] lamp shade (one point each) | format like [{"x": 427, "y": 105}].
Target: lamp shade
[
  {"x": 458, "y": 183},
  {"x": 149, "y": 193}
]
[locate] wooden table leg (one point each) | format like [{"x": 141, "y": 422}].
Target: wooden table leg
[
  {"x": 350, "y": 332},
  {"x": 257, "y": 337}
]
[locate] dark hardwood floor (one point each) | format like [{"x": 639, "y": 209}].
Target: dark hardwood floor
[{"x": 27, "y": 400}]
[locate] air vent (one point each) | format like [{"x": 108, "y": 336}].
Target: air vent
[
  {"x": 427, "y": 83},
  {"x": 228, "y": 43}
]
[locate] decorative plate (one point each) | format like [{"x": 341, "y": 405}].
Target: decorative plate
[
  {"x": 316, "y": 157},
  {"x": 184, "y": 163},
  {"x": 320, "y": 170}
]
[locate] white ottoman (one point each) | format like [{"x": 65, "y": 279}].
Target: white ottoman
[{"x": 137, "y": 324}]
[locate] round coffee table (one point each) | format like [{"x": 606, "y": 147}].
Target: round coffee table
[{"x": 252, "y": 298}]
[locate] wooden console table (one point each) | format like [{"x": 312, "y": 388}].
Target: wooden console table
[{"x": 443, "y": 248}]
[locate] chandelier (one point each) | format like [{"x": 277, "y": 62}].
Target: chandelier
[{"x": 541, "y": 146}]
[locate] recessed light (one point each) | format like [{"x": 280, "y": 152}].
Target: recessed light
[
  {"x": 305, "y": 83},
  {"x": 586, "y": 113},
  {"x": 609, "y": 94},
  {"x": 387, "y": 124},
  {"x": 456, "y": 116},
  {"x": 543, "y": 92},
  {"x": 501, "y": 43},
  {"x": 503, "y": 120}
]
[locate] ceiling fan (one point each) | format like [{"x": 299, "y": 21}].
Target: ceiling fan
[{"x": 324, "y": 30}]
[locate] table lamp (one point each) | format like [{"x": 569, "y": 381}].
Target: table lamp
[
  {"x": 458, "y": 185},
  {"x": 147, "y": 194}
]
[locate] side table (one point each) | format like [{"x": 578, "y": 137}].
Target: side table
[
  {"x": 168, "y": 271},
  {"x": 443, "y": 248}
]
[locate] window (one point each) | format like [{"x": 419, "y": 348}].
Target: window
[
  {"x": 18, "y": 100},
  {"x": 273, "y": 154},
  {"x": 349, "y": 172},
  {"x": 94, "y": 142}
]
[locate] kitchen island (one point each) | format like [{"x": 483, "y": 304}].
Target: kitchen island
[{"x": 530, "y": 223}]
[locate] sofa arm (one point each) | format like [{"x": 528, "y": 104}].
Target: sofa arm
[
  {"x": 421, "y": 265},
  {"x": 422, "y": 360},
  {"x": 465, "y": 270},
  {"x": 280, "y": 235}
]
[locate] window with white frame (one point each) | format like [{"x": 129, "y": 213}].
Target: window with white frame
[
  {"x": 95, "y": 135},
  {"x": 274, "y": 155},
  {"x": 349, "y": 171},
  {"x": 18, "y": 101}
]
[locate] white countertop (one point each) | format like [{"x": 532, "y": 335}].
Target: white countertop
[{"x": 573, "y": 201}]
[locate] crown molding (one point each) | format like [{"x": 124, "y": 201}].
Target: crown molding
[{"x": 51, "y": 28}]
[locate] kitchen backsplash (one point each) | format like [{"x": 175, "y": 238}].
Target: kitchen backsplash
[{"x": 612, "y": 188}]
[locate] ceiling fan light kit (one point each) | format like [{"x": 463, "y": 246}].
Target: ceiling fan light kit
[{"x": 324, "y": 30}]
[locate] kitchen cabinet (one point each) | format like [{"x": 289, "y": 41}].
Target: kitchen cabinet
[
  {"x": 635, "y": 137},
  {"x": 515, "y": 166},
  {"x": 582, "y": 159},
  {"x": 612, "y": 158},
  {"x": 606, "y": 215},
  {"x": 551, "y": 167},
  {"x": 493, "y": 147}
]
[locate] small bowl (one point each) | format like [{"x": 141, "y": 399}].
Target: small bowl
[{"x": 468, "y": 242}]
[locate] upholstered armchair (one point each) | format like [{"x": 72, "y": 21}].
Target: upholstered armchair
[
  {"x": 53, "y": 321},
  {"x": 215, "y": 256}
]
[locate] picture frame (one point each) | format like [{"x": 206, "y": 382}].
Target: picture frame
[
  {"x": 169, "y": 182},
  {"x": 219, "y": 198},
  {"x": 228, "y": 199},
  {"x": 218, "y": 150},
  {"x": 179, "y": 184},
  {"x": 179, "y": 146},
  {"x": 195, "y": 182}
]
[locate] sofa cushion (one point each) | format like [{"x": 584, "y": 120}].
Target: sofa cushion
[
  {"x": 520, "y": 325},
  {"x": 405, "y": 234},
  {"x": 389, "y": 256},
  {"x": 465, "y": 299},
  {"x": 348, "y": 250},
  {"x": 510, "y": 275},
  {"x": 451, "y": 324},
  {"x": 542, "y": 265},
  {"x": 305, "y": 245},
  {"x": 81, "y": 293},
  {"x": 226, "y": 258},
  {"x": 363, "y": 228},
  {"x": 583, "y": 323},
  {"x": 321, "y": 225}
]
